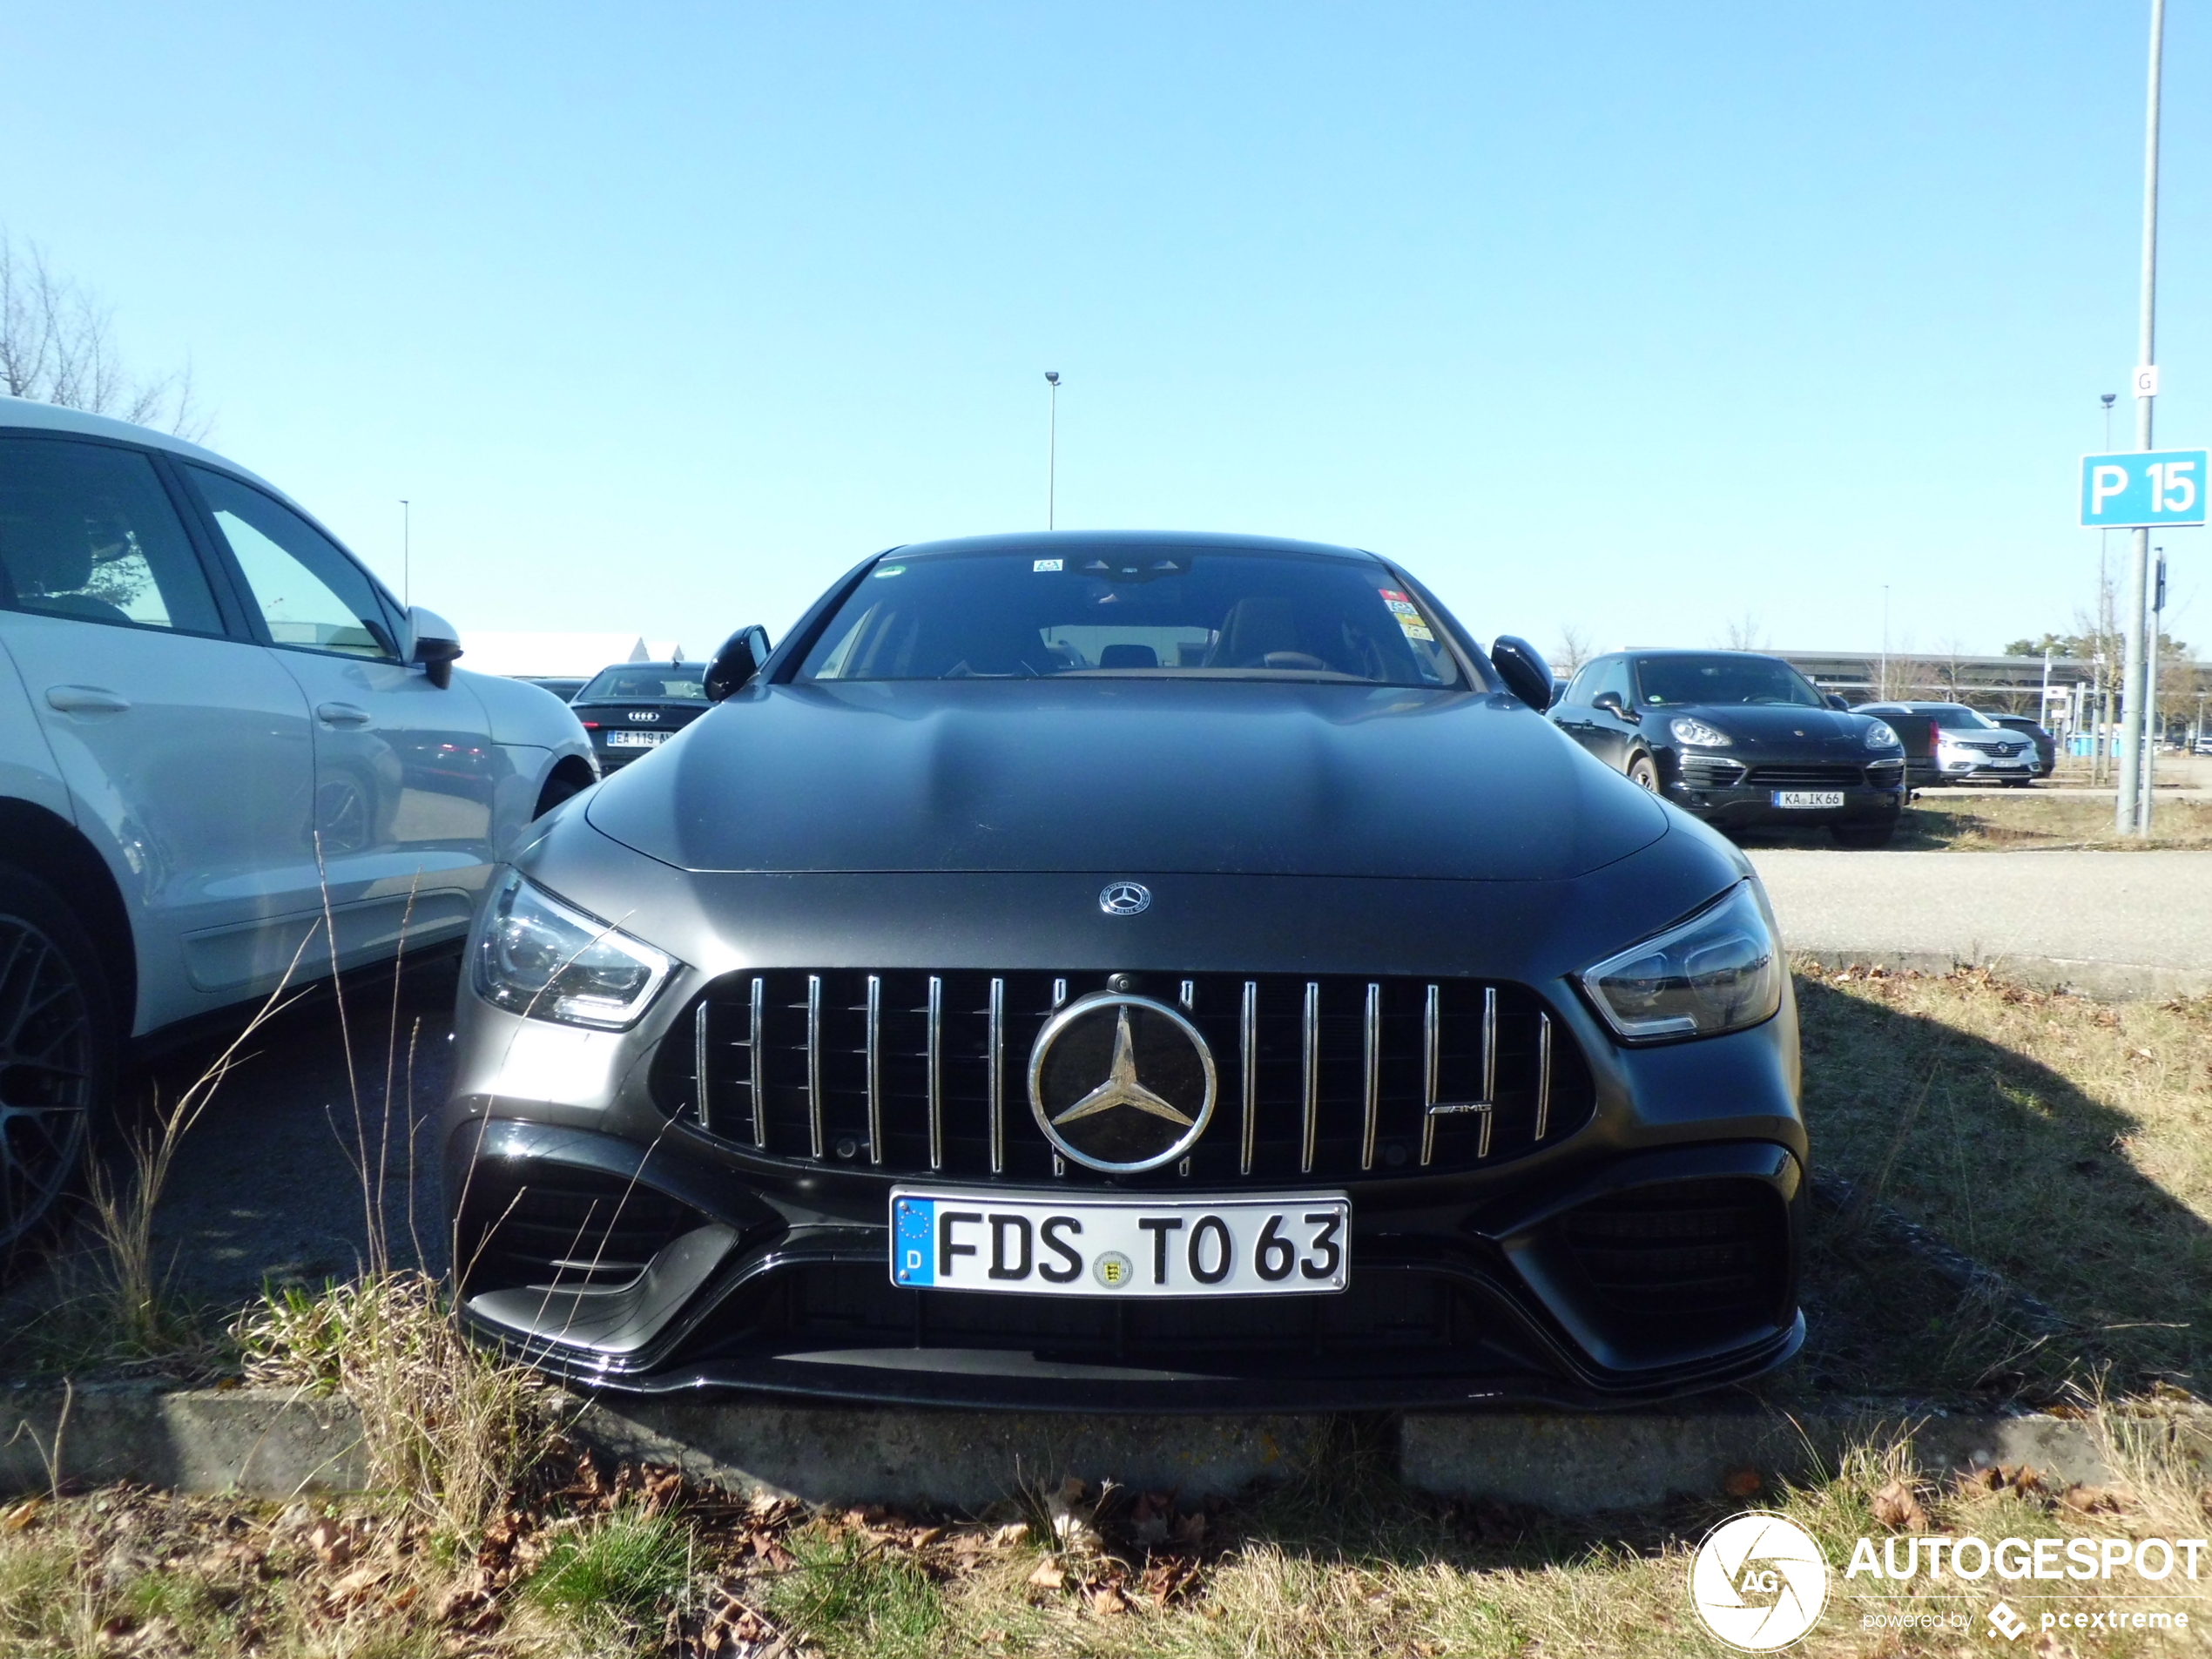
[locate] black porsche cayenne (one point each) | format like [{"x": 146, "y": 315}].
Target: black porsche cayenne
[
  {"x": 1128, "y": 970},
  {"x": 1738, "y": 738}
]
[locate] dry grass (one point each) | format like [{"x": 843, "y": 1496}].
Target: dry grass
[
  {"x": 2035, "y": 817},
  {"x": 2063, "y": 1142},
  {"x": 1343, "y": 1564},
  {"x": 452, "y": 1432}
]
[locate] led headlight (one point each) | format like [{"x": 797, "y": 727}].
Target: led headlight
[
  {"x": 1719, "y": 971},
  {"x": 541, "y": 958},
  {"x": 1697, "y": 734},
  {"x": 1879, "y": 736}
]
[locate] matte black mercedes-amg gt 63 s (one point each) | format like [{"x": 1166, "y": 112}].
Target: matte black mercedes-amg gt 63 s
[{"x": 1145, "y": 971}]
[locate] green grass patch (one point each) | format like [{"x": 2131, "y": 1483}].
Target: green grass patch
[
  {"x": 627, "y": 1563},
  {"x": 854, "y": 1597}
]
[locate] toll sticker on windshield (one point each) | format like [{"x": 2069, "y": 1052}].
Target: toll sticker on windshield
[
  {"x": 1046, "y": 564},
  {"x": 890, "y": 570},
  {"x": 1409, "y": 618}
]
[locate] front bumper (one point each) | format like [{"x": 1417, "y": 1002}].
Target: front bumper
[
  {"x": 1742, "y": 806},
  {"x": 1519, "y": 1299}
]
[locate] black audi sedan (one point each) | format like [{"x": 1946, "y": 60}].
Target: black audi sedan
[
  {"x": 1738, "y": 738},
  {"x": 1129, "y": 971},
  {"x": 633, "y": 708}
]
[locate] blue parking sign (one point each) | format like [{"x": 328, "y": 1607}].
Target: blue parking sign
[{"x": 2140, "y": 487}]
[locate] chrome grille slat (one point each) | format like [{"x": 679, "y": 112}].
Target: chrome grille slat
[
  {"x": 1311, "y": 1075},
  {"x": 757, "y": 1057},
  {"x": 875, "y": 1062},
  {"x": 1371, "y": 1059},
  {"x": 933, "y": 1058},
  {"x": 1248, "y": 1058},
  {"x": 1320, "y": 1077},
  {"x": 814, "y": 1061},
  {"x": 994, "y": 1063}
]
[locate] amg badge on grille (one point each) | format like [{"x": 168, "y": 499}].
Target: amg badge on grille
[{"x": 1120, "y": 1083}]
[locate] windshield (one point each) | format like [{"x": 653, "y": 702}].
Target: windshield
[
  {"x": 1672, "y": 681},
  {"x": 1147, "y": 611},
  {"x": 1957, "y": 717},
  {"x": 646, "y": 682}
]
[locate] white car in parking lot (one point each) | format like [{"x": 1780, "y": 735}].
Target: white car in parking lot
[{"x": 214, "y": 724}]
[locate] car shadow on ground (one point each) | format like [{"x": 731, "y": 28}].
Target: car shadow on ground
[{"x": 2018, "y": 1168}]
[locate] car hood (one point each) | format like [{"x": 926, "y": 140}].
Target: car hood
[
  {"x": 1127, "y": 776},
  {"x": 1772, "y": 728}
]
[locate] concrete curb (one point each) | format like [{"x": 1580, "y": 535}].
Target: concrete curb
[
  {"x": 271, "y": 1443},
  {"x": 275, "y": 1444},
  {"x": 2104, "y": 982}
]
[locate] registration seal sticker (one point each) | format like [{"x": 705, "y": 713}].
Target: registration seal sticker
[{"x": 1112, "y": 1269}]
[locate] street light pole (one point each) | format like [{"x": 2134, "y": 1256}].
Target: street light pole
[
  {"x": 1051, "y": 446},
  {"x": 2128, "y": 816},
  {"x": 407, "y": 554}
]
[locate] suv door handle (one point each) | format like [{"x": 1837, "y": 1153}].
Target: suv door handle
[
  {"x": 340, "y": 714},
  {"x": 85, "y": 699}
]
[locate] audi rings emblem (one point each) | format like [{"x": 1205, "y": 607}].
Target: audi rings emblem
[{"x": 1125, "y": 898}]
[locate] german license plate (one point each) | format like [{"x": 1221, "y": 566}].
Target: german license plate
[
  {"x": 1053, "y": 1244},
  {"x": 635, "y": 739},
  {"x": 1808, "y": 798}
]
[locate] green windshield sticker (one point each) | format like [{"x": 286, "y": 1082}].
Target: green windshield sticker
[{"x": 891, "y": 570}]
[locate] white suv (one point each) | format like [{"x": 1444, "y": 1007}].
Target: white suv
[{"x": 213, "y": 720}]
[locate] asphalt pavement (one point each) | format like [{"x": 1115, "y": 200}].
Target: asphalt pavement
[{"x": 2110, "y": 924}]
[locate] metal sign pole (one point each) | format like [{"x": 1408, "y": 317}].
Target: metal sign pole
[{"x": 2128, "y": 816}]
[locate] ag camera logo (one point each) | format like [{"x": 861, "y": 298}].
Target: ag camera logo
[{"x": 1758, "y": 1582}]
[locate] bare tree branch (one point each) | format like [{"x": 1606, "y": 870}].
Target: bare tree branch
[{"x": 57, "y": 346}]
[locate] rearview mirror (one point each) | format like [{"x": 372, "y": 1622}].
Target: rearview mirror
[
  {"x": 736, "y": 663},
  {"x": 1612, "y": 702},
  {"x": 1835, "y": 702},
  {"x": 437, "y": 642},
  {"x": 1522, "y": 667}
]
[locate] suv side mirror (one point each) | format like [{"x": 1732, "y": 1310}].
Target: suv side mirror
[
  {"x": 1612, "y": 703},
  {"x": 437, "y": 642},
  {"x": 1522, "y": 667},
  {"x": 736, "y": 663},
  {"x": 1837, "y": 703}
]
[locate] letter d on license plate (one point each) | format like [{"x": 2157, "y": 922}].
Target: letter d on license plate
[{"x": 1055, "y": 1244}]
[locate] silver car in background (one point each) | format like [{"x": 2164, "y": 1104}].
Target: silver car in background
[{"x": 1968, "y": 746}]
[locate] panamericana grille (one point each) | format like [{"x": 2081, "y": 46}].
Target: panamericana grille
[
  {"x": 1807, "y": 776},
  {"x": 1326, "y": 1077},
  {"x": 1716, "y": 1248}
]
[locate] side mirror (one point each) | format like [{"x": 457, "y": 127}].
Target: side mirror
[
  {"x": 1837, "y": 703},
  {"x": 1612, "y": 703},
  {"x": 736, "y": 663},
  {"x": 437, "y": 642},
  {"x": 1522, "y": 667}
]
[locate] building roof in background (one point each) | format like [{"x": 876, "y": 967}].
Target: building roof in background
[{"x": 561, "y": 656}]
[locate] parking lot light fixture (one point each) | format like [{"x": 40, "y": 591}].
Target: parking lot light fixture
[{"x": 1051, "y": 444}]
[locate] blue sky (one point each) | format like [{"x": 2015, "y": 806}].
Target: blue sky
[{"x": 1630, "y": 317}]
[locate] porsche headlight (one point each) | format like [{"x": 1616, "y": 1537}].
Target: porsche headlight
[
  {"x": 1697, "y": 734},
  {"x": 540, "y": 958},
  {"x": 1719, "y": 971},
  {"x": 1880, "y": 735}
]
